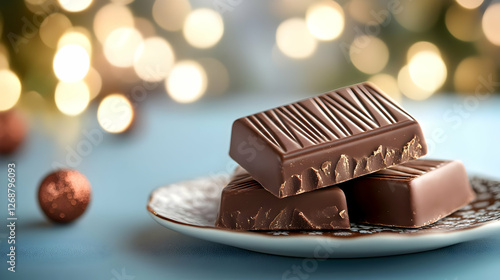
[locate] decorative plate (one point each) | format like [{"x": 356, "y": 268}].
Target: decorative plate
[{"x": 190, "y": 207}]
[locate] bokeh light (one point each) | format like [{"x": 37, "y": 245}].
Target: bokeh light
[
  {"x": 52, "y": 27},
  {"x": 368, "y": 11},
  {"x": 76, "y": 36},
  {"x": 419, "y": 47},
  {"x": 325, "y": 20},
  {"x": 71, "y": 63},
  {"x": 120, "y": 46},
  {"x": 469, "y": 72},
  {"x": 4, "y": 61},
  {"x": 463, "y": 23},
  {"x": 122, "y": 2},
  {"x": 294, "y": 40},
  {"x": 369, "y": 54},
  {"x": 491, "y": 23},
  {"x": 154, "y": 59},
  {"x": 427, "y": 70},
  {"x": 418, "y": 15},
  {"x": 186, "y": 82},
  {"x": 388, "y": 84},
  {"x": 11, "y": 89},
  {"x": 203, "y": 28},
  {"x": 94, "y": 83},
  {"x": 145, "y": 27},
  {"x": 171, "y": 14},
  {"x": 409, "y": 88},
  {"x": 74, "y": 5},
  {"x": 115, "y": 113},
  {"x": 111, "y": 17},
  {"x": 72, "y": 98},
  {"x": 470, "y": 4}
]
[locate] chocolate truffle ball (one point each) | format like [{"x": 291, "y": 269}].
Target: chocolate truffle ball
[
  {"x": 64, "y": 195},
  {"x": 12, "y": 131}
]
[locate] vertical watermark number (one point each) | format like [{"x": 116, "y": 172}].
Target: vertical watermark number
[{"x": 11, "y": 217}]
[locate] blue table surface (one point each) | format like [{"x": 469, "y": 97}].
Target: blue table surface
[{"x": 117, "y": 239}]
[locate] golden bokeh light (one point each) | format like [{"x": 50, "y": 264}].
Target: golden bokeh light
[
  {"x": 111, "y": 17},
  {"x": 463, "y": 23},
  {"x": 470, "y": 4},
  {"x": 217, "y": 76},
  {"x": 388, "y": 84},
  {"x": 154, "y": 59},
  {"x": 419, "y": 15},
  {"x": 491, "y": 23},
  {"x": 121, "y": 45},
  {"x": 74, "y": 5},
  {"x": 325, "y": 20},
  {"x": 75, "y": 37},
  {"x": 145, "y": 27},
  {"x": 409, "y": 88},
  {"x": 52, "y": 27},
  {"x": 419, "y": 47},
  {"x": 203, "y": 28},
  {"x": 186, "y": 82},
  {"x": 369, "y": 12},
  {"x": 289, "y": 8},
  {"x": 467, "y": 78},
  {"x": 94, "y": 83},
  {"x": 11, "y": 89},
  {"x": 72, "y": 98},
  {"x": 171, "y": 14},
  {"x": 71, "y": 63},
  {"x": 427, "y": 70},
  {"x": 369, "y": 54},
  {"x": 294, "y": 40},
  {"x": 115, "y": 113},
  {"x": 122, "y": 2},
  {"x": 4, "y": 61}
]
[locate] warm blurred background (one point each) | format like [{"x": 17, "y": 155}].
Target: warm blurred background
[{"x": 59, "y": 56}]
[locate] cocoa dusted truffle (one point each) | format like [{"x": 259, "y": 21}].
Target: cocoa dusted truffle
[
  {"x": 12, "y": 131},
  {"x": 64, "y": 195}
]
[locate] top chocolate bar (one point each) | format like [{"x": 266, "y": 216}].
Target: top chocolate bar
[{"x": 325, "y": 140}]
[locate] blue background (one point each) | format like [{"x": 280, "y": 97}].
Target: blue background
[{"x": 116, "y": 238}]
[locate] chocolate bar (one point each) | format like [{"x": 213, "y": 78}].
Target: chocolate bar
[
  {"x": 245, "y": 205},
  {"x": 414, "y": 194},
  {"x": 325, "y": 140}
]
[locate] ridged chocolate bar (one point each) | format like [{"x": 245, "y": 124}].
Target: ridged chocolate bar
[
  {"x": 245, "y": 205},
  {"x": 325, "y": 140},
  {"x": 414, "y": 194}
]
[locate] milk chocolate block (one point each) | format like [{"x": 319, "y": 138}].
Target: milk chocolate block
[
  {"x": 245, "y": 205},
  {"x": 325, "y": 140},
  {"x": 414, "y": 194}
]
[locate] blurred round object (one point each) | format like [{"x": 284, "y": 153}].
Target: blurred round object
[
  {"x": 122, "y": 2},
  {"x": 111, "y": 17},
  {"x": 71, "y": 63},
  {"x": 294, "y": 40},
  {"x": 186, "y": 82},
  {"x": 469, "y": 73},
  {"x": 94, "y": 83},
  {"x": 470, "y": 4},
  {"x": 427, "y": 70},
  {"x": 491, "y": 24},
  {"x": 369, "y": 54},
  {"x": 325, "y": 20},
  {"x": 145, "y": 27},
  {"x": 12, "y": 131},
  {"x": 203, "y": 28},
  {"x": 463, "y": 24},
  {"x": 76, "y": 36},
  {"x": 369, "y": 12},
  {"x": 420, "y": 47},
  {"x": 64, "y": 195},
  {"x": 115, "y": 113},
  {"x": 388, "y": 84},
  {"x": 53, "y": 27},
  {"x": 409, "y": 88},
  {"x": 154, "y": 59},
  {"x": 11, "y": 89},
  {"x": 74, "y": 5},
  {"x": 72, "y": 98},
  {"x": 120, "y": 46},
  {"x": 418, "y": 15},
  {"x": 171, "y": 14}
]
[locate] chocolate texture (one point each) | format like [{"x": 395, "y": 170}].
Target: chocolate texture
[
  {"x": 410, "y": 195},
  {"x": 245, "y": 205},
  {"x": 325, "y": 140}
]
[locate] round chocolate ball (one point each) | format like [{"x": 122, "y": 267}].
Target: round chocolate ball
[
  {"x": 12, "y": 131},
  {"x": 64, "y": 195}
]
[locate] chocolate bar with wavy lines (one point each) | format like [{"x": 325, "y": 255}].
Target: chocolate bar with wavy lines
[
  {"x": 325, "y": 140},
  {"x": 410, "y": 195}
]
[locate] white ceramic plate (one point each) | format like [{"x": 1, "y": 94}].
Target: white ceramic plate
[{"x": 191, "y": 207}]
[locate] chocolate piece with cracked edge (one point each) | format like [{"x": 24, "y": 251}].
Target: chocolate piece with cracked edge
[
  {"x": 325, "y": 140},
  {"x": 245, "y": 205},
  {"x": 410, "y": 195}
]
